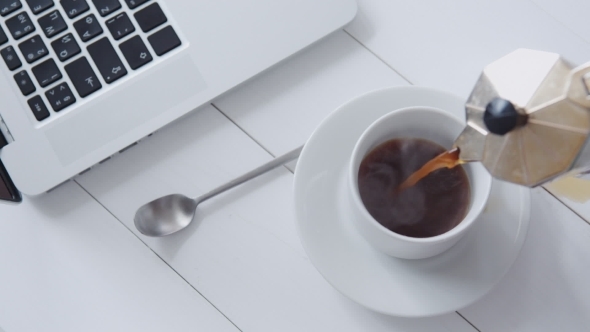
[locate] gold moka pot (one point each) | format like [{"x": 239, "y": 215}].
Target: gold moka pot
[{"x": 528, "y": 118}]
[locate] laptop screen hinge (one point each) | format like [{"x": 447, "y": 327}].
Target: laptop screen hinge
[
  {"x": 6, "y": 135},
  {"x": 8, "y": 191}
]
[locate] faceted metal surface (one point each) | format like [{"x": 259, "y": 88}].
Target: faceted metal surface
[{"x": 556, "y": 98}]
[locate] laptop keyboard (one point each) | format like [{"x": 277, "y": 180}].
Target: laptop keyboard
[{"x": 51, "y": 38}]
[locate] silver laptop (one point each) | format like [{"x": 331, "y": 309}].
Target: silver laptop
[{"x": 81, "y": 80}]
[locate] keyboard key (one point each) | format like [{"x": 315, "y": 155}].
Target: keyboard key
[
  {"x": 10, "y": 57},
  {"x": 150, "y": 17},
  {"x": 134, "y": 3},
  {"x": 20, "y": 25},
  {"x": 120, "y": 26},
  {"x": 135, "y": 52},
  {"x": 33, "y": 49},
  {"x": 52, "y": 24},
  {"x": 83, "y": 77},
  {"x": 24, "y": 82},
  {"x": 46, "y": 73},
  {"x": 105, "y": 7},
  {"x": 60, "y": 97},
  {"x": 38, "y": 107},
  {"x": 88, "y": 27},
  {"x": 65, "y": 47},
  {"x": 164, "y": 40},
  {"x": 74, "y": 8},
  {"x": 3, "y": 37},
  {"x": 9, "y": 6},
  {"x": 38, "y": 6},
  {"x": 106, "y": 59}
]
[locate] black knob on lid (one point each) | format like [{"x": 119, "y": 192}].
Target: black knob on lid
[{"x": 501, "y": 116}]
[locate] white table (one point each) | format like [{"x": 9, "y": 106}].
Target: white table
[{"x": 71, "y": 260}]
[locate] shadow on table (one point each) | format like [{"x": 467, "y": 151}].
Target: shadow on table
[{"x": 170, "y": 245}]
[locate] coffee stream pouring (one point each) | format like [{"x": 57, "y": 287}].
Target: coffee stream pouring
[{"x": 528, "y": 118}]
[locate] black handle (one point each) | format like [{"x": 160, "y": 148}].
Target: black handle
[{"x": 501, "y": 116}]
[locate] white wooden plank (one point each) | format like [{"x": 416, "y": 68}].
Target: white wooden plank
[
  {"x": 573, "y": 192},
  {"x": 547, "y": 288},
  {"x": 242, "y": 253},
  {"x": 573, "y": 14},
  {"x": 446, "y": 44},
  {"x": 283, "y": 106},
  {"x": 66, "y": 264}
]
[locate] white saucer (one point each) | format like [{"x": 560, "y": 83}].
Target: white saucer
[{"x": 398, "y": 287}]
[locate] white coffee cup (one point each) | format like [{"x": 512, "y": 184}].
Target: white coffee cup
[{"x": 414, "y": 122}]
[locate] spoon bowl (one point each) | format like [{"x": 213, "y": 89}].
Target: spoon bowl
[{"x": 165, "y": 215}]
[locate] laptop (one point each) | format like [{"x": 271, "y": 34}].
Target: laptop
[{"x": 81, "y": 80}]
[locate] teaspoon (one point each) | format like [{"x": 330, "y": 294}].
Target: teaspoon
[{"x": 172, "y": 213}]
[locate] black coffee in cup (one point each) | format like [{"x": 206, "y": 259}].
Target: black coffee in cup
[{"x": 431, "y": 207}]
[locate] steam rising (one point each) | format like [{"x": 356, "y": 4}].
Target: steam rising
[{"x": 433, "y": 206}]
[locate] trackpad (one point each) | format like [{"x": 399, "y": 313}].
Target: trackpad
[{"x": 131, "y": 106}]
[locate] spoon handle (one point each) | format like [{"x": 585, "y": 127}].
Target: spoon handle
[{"x": 279, "y": 161}]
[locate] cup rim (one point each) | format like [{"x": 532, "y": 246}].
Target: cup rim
[{"x": 353, "y": 183}]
